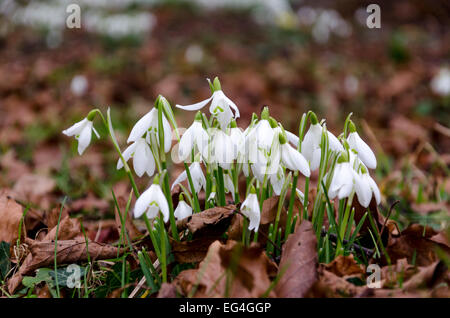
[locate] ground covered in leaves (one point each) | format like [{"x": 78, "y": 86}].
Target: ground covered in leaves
[{"x": 382, "y": 76}]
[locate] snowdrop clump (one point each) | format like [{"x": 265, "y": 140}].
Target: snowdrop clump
[{"x": 218, "y": 156}]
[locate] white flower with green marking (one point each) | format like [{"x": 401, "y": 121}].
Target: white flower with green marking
[{"x": 82, "y": 131}]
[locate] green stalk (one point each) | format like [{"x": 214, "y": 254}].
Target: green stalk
[
  {"x": 191, "y": 185},
  {"x": 221, "y": 188},
  {"x": 291, "y": 205}
]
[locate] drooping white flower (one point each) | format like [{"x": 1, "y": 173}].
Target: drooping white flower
[
  {"x": 198, "y": 179},
  {"x": 238, "y": 139},
  {"x": 151, "y": 202},
  {"x": 365, "y": 188},
  {"x": 440, "y": 84},
  {"x": 195, "y": 135},
  {"x": 220, "y": 149},
  {"x": 183, "y": 210},
  {"x": 311, "y": 143},
  {"x": 343, "y": 181},
  {"x": 277, "y": 180},
  {"x": 82, "y": 131},
  {"x": 250, "y": 208},
  {"x": 220, "y": 106},
  {"x": 143, "y": 160},
  {"x": 228, "y": 184},
  {"x": 364, "y": 152},
  {"x": 149, "y": 122},
  {"x": 292, "y": 159}
]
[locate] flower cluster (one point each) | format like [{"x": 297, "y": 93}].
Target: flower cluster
[{"x": 270, "y": 157}]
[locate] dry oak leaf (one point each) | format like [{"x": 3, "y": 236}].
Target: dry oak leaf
[
  {"x": 344, "y": 266},
  {"x": 415, "y": 240},
  {"x": 298, "y": 264},
  {"x": 68, "y": 252},
  {"x": 210, "y": 223},
  {"x": 248, "y": 268},
  {"x": 167, "y": 291},
  {"x": 191, "y": 251},
  {"x": 330, "y": 285},
  {"x": 10, "y": 216}
]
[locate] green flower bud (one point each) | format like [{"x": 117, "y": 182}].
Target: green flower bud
[{"x": 265, "y": 113}]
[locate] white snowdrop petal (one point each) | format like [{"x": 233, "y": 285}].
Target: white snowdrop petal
[
  {"x": 126, "y": 155},
  {"x": 179, "y": 179},
  {"x": 76, "y": 128},
  {"x": 195, "y": 106},
  {"x": 142, "y": 125},
  {"x": 140, "y": 158},
  {"x": 85, "y": 137}
]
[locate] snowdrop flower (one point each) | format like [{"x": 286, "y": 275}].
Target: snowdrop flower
[
  {"x": 238, "y": 139},
  {"x": 149, "y": 122},
  {"x": 151, "y": 202},
  {"x": 194, "y": 135},
  {"x": 343, "y": 180},
  {"x": 143, "y": 161},
  {"x": 82, "y": 131},
  {"x": 440, "y": 84},
  {"x": 228, "y": 183},
  {"x": 198, "y": 179},
  {"x": 311, "y": 143},
  {"x": 250, "y": 208},
  {"x": 183, "y": 209},
  {"x": 364, "y": 152},
  {"x": 220, "y": 106},
  {"x": 292, "y": 159},
  {"x": 220, "y": 150},
  {"x": 365, "y": 188},
  {"x": 277, "y": 180}
]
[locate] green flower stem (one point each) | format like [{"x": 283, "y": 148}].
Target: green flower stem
[
  {"x": 163, "y": 250},
  {"x": 221, "y": 188},
  {"x": 191, "y": 185},
  {"x": 291, "y": 205},
  {"x": 305, "y": 201}
]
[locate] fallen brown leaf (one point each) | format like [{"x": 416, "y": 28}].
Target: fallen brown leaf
[
  {"x": 250, "y": 277},
  {"x": 211, "y": 222},
  {"x": 42, "y": 254},
  {"x": 191, "y": 251},
  {"x": 344, "y": 266},
  {"x": 298, "y": 263},
  {"x": 130, "y": 228},
  {"x": 10, "y": 216}
]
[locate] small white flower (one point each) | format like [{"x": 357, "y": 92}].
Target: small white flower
[
  {"x": 143, "y": 161},
  {"x": 82, "y": 131},
  {"x": 277, "y": 180},
  {"x": 228, "y": 184},
  {"x": 365, "y": 187},
  {"x": 149, "y": 122},
  {"x": 294, "y": 160},
  {"x": 364, "y": 152},
  {"x": 151, "y": 202},
  {"x": 220, "y": 150},
  {"x": 343, "y": 181},
  {"x": 195, "y": 135},
  {"x": 440, "y": 84},
  {"x": 220, "y": 107},
  {"x": 238, "y": 139},
  {"x": 198, "y": 179},
  {"x": 311, "y": 144},
  {"x": 250, "y": 208},
  {"x": 182, "y": 211}
]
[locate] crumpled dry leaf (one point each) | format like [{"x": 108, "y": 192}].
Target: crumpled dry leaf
[
  {"x": 10, "y": 216},
  {"x": 191, "y": 251},
  {"x": 68, "y": 252},
  {"x": 251, "y": 275},
  {"x": 344, "y": 266},
  {"x": 212, "y": 222},
  {"x": 415, "y": 240},
  {"x": 330, "y": 285},
  {"x": 298, "y": 264}
]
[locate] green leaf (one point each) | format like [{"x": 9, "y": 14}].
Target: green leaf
[{"x": 42, "y": 275}]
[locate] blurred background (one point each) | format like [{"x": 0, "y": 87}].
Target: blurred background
[{"x": 294, "y": 56}]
